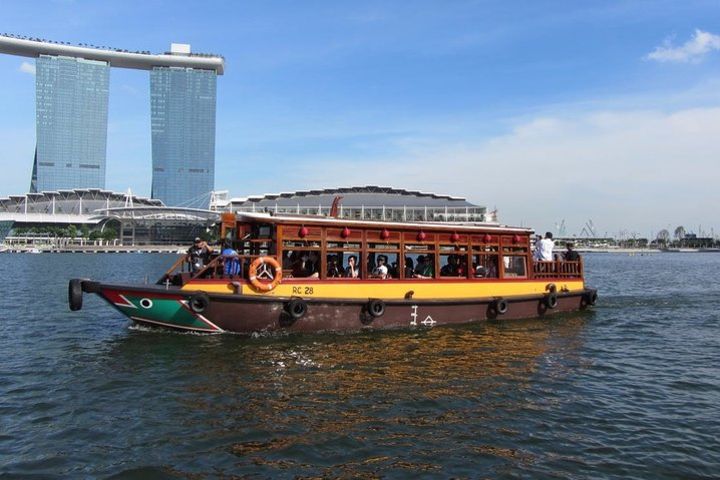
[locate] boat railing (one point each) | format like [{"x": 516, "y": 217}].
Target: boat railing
[
  {"x": 211, "y": 269},
  {"x": 181, "y": 265},
  {"x": 558, "y": 269},
  {"x": 216, "y": 267}
]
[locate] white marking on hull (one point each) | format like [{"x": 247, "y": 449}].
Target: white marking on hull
[
  {"x": 186, "y": 305},
  {"x": 195, "y": 329},
  {"x": 414, "y": 315},
  {"x": 127, "y": 303}
]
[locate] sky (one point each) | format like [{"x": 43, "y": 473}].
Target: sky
[{"x": 549, "y": 111}]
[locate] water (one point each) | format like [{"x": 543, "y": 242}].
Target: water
[{"x": 629, "y": 390}]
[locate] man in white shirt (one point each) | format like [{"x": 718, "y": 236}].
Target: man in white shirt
[
  {"x": 381, "y": 270},
  {"x": 546, "y": 248}
]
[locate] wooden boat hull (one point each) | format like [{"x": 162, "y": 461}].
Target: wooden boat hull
[{"x": 245, "y": 314}]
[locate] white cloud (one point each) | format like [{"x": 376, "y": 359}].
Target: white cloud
[
  {"x": 693, "y": 50},
  {"x": 27, "y": 67},
  {"x": 624, "y": 169}
]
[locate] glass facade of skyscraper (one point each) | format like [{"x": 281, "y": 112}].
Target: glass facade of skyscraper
[
  {"x": 182, "y": 106},
  {"x": 71, "y": 121}
]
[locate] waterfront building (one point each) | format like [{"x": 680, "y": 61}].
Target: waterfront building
[
  {"x": 368, "y": 202},
  {"x": 66, "y": 207},
  {"x": 5, "y": 227},
  {"x": 143, "y": 221},
  {"x": 182, "y": 105},
  {"x": 71, "y": 123},
  {"x": 137, "y": 220}
]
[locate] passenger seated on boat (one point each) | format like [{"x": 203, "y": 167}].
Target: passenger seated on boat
[
  {"x": 297, "y": 264},
  {"x": 419, "y": 266},
  {"x": 570, "y": 254},
  {"x": 352, "y": 271},
  {"x": 289, "y": 260},
  {"x": 487, "y": 268},
  {"x": 231, "y": 261},
  {"x": 315, "y": 260},
  {"x": 462, "y": 266},
  {"x": 491, "y": 268},
  {"x": 425, "y": 267},
  {"x": 393, "y": 271},
  {"x": 334, "y": 270},
  {"x": 381, "y": 269},
  {"x": 409, "y": 268},
  {"x": 451, "y": 268},
  {"x": 198, "y": 254},
  {"x": 305, "y": 265}
]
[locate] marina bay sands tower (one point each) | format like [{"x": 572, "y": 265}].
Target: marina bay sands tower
[{"x": 72, "y": 89}]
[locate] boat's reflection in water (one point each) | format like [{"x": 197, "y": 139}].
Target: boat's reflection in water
[{"x": 414, "y": 400}]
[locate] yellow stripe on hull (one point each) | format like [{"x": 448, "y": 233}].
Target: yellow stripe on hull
[{"x": 396, "y": 290}]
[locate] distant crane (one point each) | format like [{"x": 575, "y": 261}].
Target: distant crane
[
  {"x": 589, "y": 230},
  {"x": 560, "y": 227}
]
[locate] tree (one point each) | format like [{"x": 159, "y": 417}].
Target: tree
[
  {"x": 663, "y": 236},
  {"x": 109, "y": 234}
]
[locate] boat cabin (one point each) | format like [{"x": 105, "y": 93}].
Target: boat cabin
[{"x": 311, "y": 248}]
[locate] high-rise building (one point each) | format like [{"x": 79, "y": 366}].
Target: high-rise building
[
  {"x": 71, "y": 123},
  {"x": 72, "y": 109},
  {"x": 182, "y": 108}
]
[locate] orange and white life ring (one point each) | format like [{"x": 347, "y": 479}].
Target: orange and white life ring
[{"x": 263, "y": 269}]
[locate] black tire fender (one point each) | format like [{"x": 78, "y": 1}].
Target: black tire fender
[
  {"x": 376, "y": 307},
  {"x": 75, "y": 294},
  {"x": 551, "y": 300},
  {"x": 500, "y": 305},
  {"x": 296, "y": 308},
  {"x": 591, "y": 297},
  {"x": 199, "y": 302}
]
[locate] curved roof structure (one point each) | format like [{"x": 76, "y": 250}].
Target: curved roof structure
[
  {"x": 369, "y": 202},
  {"x": 159, "y": 214},
  {"x": 368, "y": 195},
  {"x": 141, "y": 60},
  {"x": 67, "y": 206}
]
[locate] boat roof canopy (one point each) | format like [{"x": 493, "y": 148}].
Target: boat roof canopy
[{"x": 320, "y": 220}]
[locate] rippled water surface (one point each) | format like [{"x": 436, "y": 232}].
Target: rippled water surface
[{"x": 629, "y": 390}]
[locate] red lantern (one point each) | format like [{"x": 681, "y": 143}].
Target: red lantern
[
  {"x": 345, "y": 232},
  {"x": 454, "y": 237},
  {"x": 421, "y": 236},
  {"x": 516, "y": 238},
  {"x": 303, "y": 232},
  {"x": 487, "y": 238},
  {"x": 384, "y": 234}
]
